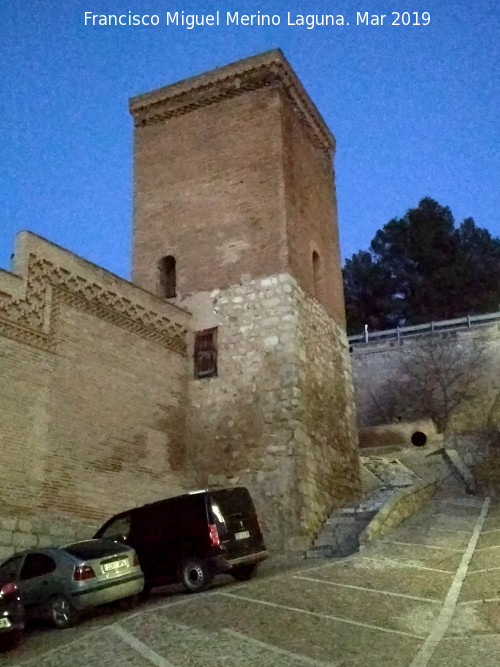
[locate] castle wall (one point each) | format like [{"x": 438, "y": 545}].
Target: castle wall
[
  {"x": 93, "y": 387},
  {"x": 278, "y": 418}
]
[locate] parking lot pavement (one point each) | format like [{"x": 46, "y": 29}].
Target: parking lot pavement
[{"x": 426, "y": 594}]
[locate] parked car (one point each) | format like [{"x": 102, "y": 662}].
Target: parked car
[
  {"x": 11, "y": 612},
  {"x": 60, "y": 582},
  {"x": 192, "y": 537}
]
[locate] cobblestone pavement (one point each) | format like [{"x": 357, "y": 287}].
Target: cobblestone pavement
[{"x": 426, "y": 594}]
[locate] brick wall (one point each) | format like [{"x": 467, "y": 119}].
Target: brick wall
[
  {"x": 205, "y": 186},
  {"x": 311, "y": 214},
  {"x": 94, "y": 387}
]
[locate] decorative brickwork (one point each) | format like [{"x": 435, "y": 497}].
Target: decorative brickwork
[
  {"x": 94, "y": 387},
  {"x": 253, "y": 74},
  {"x": 29, "y": 320}
]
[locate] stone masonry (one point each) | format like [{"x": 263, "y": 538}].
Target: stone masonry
[
  {"x": 374, "y": 366},
  {"x": 234, "y": 196},
  {"x": 270, "y": 421},
  {"x": 234, "y": 179}
]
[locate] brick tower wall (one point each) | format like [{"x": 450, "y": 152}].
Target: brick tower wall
[{"x": 206, "y": 189}]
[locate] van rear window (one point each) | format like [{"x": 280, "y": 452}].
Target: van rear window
[{"x": 233, "y": 502}]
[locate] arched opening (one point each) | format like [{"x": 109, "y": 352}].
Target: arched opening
[
  {"x": 316, "y": 262},
  {"x": 167, "y": 277}
]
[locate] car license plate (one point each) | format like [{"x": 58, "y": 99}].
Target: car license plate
[
  {"x": 242, "y": 535},
  {"x": 5, "y": 623},
  {"x": 115, "y": 565}
]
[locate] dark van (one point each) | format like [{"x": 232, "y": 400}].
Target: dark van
[{"x": 191, "y": 538}]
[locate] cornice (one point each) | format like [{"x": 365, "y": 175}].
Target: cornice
[{"x": 268, "y": 70}]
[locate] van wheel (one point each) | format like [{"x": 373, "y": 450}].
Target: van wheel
[
  {"x": 62, "y": 613},
  {"x": 194, "y": 575},
  {"x": 244, "y": 573}
]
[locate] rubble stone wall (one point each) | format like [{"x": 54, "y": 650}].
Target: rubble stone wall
[
  {"x": 279, "y": 417},
  {"x": 376, "y": 363}
]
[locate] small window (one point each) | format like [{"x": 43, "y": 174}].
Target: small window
[
  {"x": 167, "y": 277},
  {"x": 36, "y": 565},
  {"x": 316, "y": 265},
  {"x": 205, "y": 354}
]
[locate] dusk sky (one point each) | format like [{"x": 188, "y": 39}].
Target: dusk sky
[{"x": 414, "y": 109}]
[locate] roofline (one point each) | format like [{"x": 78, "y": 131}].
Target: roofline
[{"x": 269, "y": 69}]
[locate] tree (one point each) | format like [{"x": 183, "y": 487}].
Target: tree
[
  {"x": 420, "y": 268},
  {"x": 432, "y": 379}
]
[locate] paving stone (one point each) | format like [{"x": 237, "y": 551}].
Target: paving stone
[
  {"x": 440, "y": 559},
  {"x": 316, "y": 637},
  {"x": 467, "y": 652},
  {"x": 482, "y": 560},
  {"x": 387, "y": 575}
]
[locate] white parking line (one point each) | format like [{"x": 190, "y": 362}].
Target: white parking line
[
  {"x": 480, "y": 601},
  {"x": 370, "y": 590},
  {"x": 140, "y": 647},
  {"x": 486, "y": 569},
  {"x": 444, "y": 619},
  {"x": 280, "y": 651},
  {"x": 403, "y": 563},
  {"x": 340, "y": 561},
  {"x": 425, "y": 527},
  {"x": 319, "y": 615},
  {"x": 419, "y": 544},
  {"x": 494, "y": 546}
]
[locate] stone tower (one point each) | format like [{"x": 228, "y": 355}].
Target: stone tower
[{"x": 235, "y": 220}]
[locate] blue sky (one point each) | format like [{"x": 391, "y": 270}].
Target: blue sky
[{"x": 414, "y": 109}]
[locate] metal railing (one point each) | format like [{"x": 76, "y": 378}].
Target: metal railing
[{"x": 430, "y": 327}]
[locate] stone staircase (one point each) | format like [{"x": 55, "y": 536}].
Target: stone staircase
[{"x": 340, "y": 533}]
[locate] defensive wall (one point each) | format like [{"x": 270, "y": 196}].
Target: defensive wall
[{"x": 93, "y": 390}]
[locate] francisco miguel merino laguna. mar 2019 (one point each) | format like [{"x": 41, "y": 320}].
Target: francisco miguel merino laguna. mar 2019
[{"x": 218, "y": 18}]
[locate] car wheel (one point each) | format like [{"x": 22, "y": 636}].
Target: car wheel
[
  {"x": 62, "y": 612},
  {"x": 194, "y": 575},
  {"x": 244, "y": 573}
]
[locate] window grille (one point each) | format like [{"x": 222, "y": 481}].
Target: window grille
[{"x": 205, "y": 353}]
